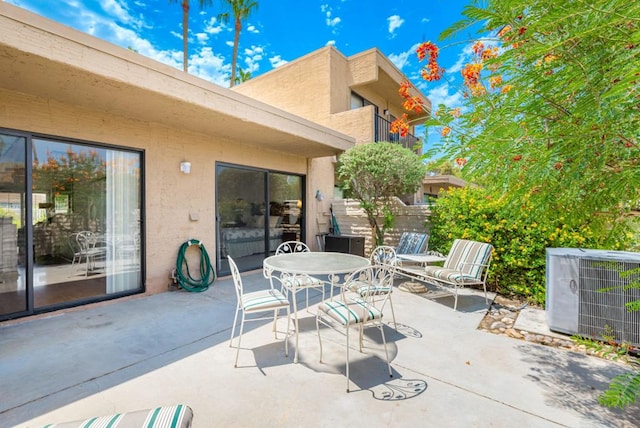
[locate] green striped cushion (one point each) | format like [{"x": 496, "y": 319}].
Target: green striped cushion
[
  {"x": 302, "y": 281},
  {"x": 449, "y": 275},
  {"x": 264, "y": 300},
  {"x": 353, "y": 313},
  {"x": 179, "y": 416},
  {"x": 375, "y": 290},
  {"x": 471, "y": 253}
]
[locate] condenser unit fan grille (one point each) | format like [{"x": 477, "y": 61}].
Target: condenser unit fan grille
[{"x": 602, "y": 314}]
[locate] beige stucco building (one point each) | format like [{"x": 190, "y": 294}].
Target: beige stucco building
[
  {"x": 356, "y": 95},
  {"x": 97, "y": 138}
]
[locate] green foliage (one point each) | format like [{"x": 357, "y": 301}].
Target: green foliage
[
  {"x": 373, "y": 173},
  {"x": 15, "y": 217},
  {"x": 443, "y": 167},
  {"x": 550, "y": 123},
  {"x": 623, "y": 391},
  {"x": 518, "y": 266},
  {"x": 560, "y": 126}
]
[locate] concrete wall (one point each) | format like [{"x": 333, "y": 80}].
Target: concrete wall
[{"x": 171, "y": 196}]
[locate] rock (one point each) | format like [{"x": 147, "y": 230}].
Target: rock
[
  {"x": 513, "y": 333},
  {"x": 497, "y": 324}
]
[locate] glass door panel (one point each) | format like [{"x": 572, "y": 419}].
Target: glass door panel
[
  {"x": 242, "y": 217},
  {"x": 257, "y": 210},
  {"x": 86, "y": 223},
  {"x": 13, "y": 290},
  {"x": 285, "y": 201}
]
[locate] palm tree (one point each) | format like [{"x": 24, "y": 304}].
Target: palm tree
[
  {"x": 241, "y": 9},
  {"x": 243, "y": 75},
  {"x": 185, "y": 27}
]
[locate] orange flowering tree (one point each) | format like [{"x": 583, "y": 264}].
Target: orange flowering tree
[
  {"x": 551, "y": 106},
  {"x": 550, "y": 120}
]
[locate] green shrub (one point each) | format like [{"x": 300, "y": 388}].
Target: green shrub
[{"x": 518, "y": 267}]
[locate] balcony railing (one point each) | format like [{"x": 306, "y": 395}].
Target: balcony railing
[{"x": 383, "y": 133}]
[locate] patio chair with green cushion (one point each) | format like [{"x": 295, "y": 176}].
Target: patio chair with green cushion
[
  {"x": 306, "y": 281},
  {"x": 382, "y": 255},
  {"x": 178, "y": 416},
  {"x": 269, "y": 300},
  {"x": 466, "y": 264},
  {"x": 345, "y": 313}
]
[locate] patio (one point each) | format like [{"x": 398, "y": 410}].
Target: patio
[{"x": 173, "y": 348}]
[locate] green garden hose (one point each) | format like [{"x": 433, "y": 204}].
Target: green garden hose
[{"x": 183, "y": 276}]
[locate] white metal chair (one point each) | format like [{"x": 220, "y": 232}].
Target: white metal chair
[
  {"x": 306, "y": 281},
  {"x": 89, "y": 250},
  {"x": 382, "y": 255},
  {"x": 345, "y": 313},
  {"x": 269, "y": 300}
]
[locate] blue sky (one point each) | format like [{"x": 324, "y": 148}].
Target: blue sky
[{"x": 277, "y": 32}]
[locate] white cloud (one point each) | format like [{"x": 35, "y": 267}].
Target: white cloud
[
  {"x": 208, "y": 66},
  {"x": 252, "y": 29},
  {"x": 253, "y": 56},
  {"x": 119, "y": 10},
  {"x": 402, "y": 59},
  {"x": 276, "y": 61},
  {"x": 395, "y": 22},
  {"x": 328, "y": 12},
  {"x": 330, "y": 43},
  {"x": 399, "y": 60},
  {"x": 213, "y": 26},
  {"x": 463, "y": 58},
  {"x": 202, "y": 38},
  {"x": 445, "y": 94}
]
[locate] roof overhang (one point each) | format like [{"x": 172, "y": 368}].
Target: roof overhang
[
  {"x": 448, "y": 180},
  {"x": 384, "y": 78},
  {"x": 46, "y": 59}
]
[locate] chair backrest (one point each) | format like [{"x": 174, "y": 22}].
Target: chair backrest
[
  {"x": 237, "y": 279},
  {"x": 383, "y": 255},
  {"x": 412, "y": 243},
  {"x": 375, "y": 275},
  {"x": 73, "y": 243},
  {"x": 86, "y": 240},
  {"x": 469, "y": 257},
  {"x": 289, "y": 247}
]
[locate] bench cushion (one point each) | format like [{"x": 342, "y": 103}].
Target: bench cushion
[
  {"x": 468, "y": 257},
  {"x": 179, "y": 416},
  {"x": 412, "y": 243}
]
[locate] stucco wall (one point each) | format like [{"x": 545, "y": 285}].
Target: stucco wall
[
  {"x": 352, "y": 220},
  {"x": 300, "y": 87},
  {"x": 171, "y": 196}
]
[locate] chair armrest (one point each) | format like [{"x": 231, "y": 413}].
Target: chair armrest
[{"x": 482, "y": 265}]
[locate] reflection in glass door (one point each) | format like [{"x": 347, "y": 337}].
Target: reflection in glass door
[
  {"x": 13, "y": 290},
  {"x": 72, "y": 233},
  {"x": 256, "y": 211},
  {"x": 242, "y": 224}
]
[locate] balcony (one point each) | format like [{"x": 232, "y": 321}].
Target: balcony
[{"x": 383, "y": 133}]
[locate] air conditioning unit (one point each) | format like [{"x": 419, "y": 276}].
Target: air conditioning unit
[{"x": 575, "y": 302}]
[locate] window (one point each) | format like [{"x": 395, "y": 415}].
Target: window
[
  {"x": 357, "y": 101},
  {"x": 72, "y": 213}
]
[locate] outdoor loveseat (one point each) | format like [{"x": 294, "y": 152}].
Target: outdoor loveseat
[{"x": 466, "y": 264}]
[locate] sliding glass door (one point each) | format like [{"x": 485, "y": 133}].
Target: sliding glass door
[
  {"x": 256, "y": 211},
  {"x": 71, "y": 223}
]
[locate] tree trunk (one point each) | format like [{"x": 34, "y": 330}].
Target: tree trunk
[
  {"x": 185, "y": 34},
  {"x": 234, "y": 58}
]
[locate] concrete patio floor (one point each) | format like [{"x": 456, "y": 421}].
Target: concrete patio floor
[{"x": 174, "y": 348}]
